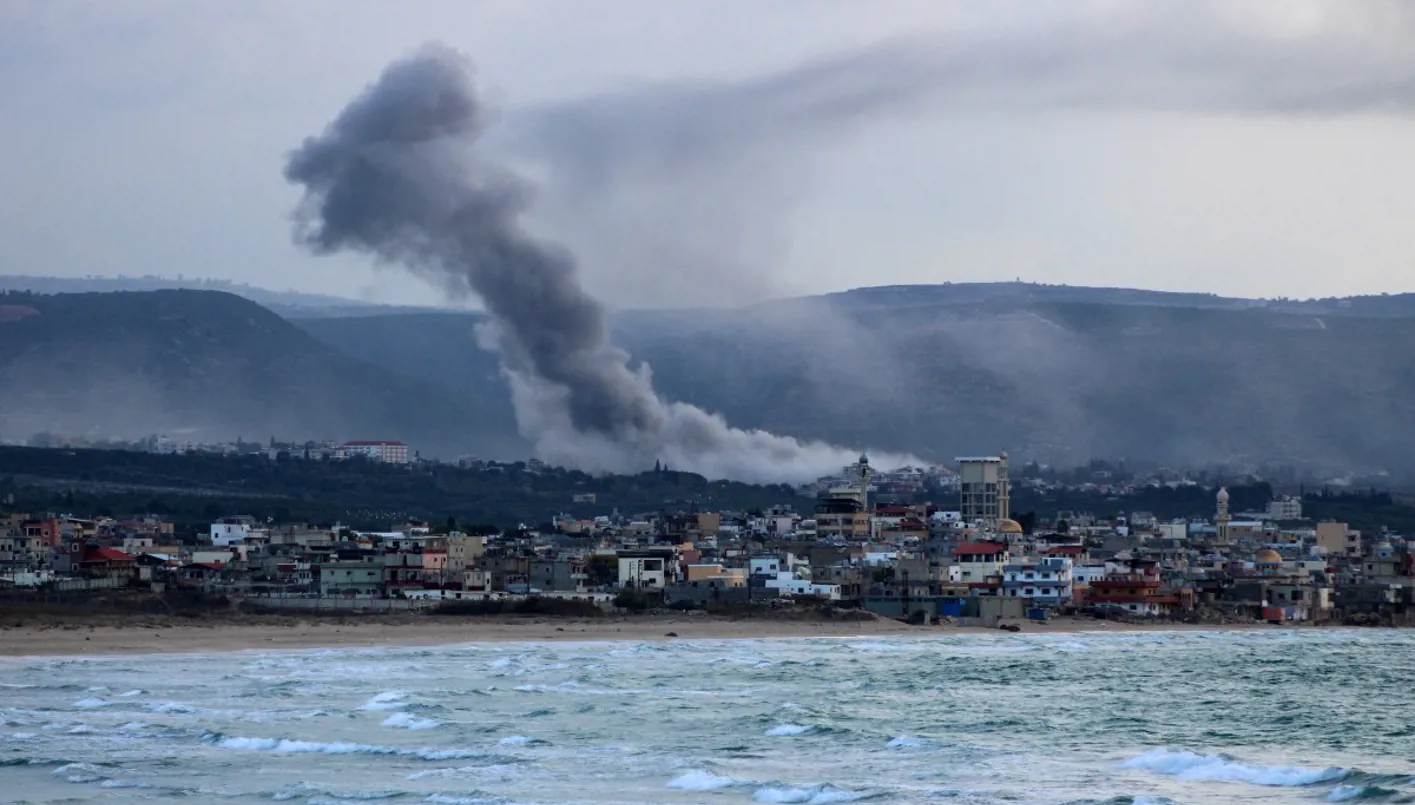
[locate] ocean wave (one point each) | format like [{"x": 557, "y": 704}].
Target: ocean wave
[
  {"x": 408, "y": 721},
  {"x": 1192, "y": 767},
  {"x": 171, "y": 708},
  {"x": 699, "y": 780},
  {"x": 311, "y": 792},
  {"x": 1357, "y": 793},
  {"x": 907, "y": 742},
  {"x": 287, "y": 746},
  {"x": 80, "y": 772},
  {"x": 91, "y": 703},
  {"x": 521, "y": 740},
  {"x": 449, "y": 799},
  {"x": 387, "y": 700},
  {"x": 785, "y": 730},
  {"x": 815, "y": 795}
]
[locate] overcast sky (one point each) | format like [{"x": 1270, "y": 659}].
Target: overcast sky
[{"x": 729, "y": 151}]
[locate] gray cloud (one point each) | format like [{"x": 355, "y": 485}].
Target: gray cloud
[
  {"x": 673, "y": 181},
  {"x": 395, "y": 176}
]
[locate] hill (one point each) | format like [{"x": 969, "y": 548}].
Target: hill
[
  {"x": 1057, "y": 374},
  {"x": 286, "y": 303},
  {"x": 949, "y": 370},
  {"x": 206, "y": 366}
]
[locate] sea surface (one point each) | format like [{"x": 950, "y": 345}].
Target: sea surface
[{"x": 1143, "y": 718}]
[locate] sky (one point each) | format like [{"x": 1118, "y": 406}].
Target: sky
[{"x": 722, "y": 153}]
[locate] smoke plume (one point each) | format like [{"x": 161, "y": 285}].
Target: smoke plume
[{"x": 395, "y": 176}]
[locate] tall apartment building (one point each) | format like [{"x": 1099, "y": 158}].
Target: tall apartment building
[{"x": 983, "y": 490}]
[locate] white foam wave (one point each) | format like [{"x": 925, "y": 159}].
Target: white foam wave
[
  {"x": 81, "y": 729},
  {"x": 91, "y": 704},
  {"x": 815, "y": 795},
  {"x": 133, "y": 693},
  {"x": 289, "y": 746},
  {"x": 313, "y": 793},
  {"x": 170, "y": 708},
  {"x": 906, "y": 742},
  {"x": 1192, "y": 767},
  {"x": 519, "y": 740},
  {"x": 388, "y": 700},
  {"x": 783, "y": 730},
  {"x": 80, "y": 772},
  {"x": 699, "y": 780},
  {"x": 122, "y": 784},
  {"x": 408, "y": 721}
]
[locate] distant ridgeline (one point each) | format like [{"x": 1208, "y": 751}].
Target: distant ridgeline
[{"x": 1055, "y": 373}]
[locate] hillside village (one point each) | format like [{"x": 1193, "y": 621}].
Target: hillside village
[{"x": 963, "y": 560}]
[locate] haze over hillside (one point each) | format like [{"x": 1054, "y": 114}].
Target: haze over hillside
[
  {"x": 203, "y": 365},
  {"x": 948, "y": 370},
  {"x": 1060, "y": 374}
]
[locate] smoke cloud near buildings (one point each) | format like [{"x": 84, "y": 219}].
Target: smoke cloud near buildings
[{"x": 396, "y": 176}]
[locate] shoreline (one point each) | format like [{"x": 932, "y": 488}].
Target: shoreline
[{"x": 115, "y": 638}]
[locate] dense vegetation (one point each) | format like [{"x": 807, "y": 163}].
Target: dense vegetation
[{"x": 194, "y": 488}]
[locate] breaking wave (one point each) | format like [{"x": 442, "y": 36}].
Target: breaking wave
[
  {"x": 1192, "y": 767},
  {"x": 704, "y": 781},
  {"x": 816, "y": 795},
  {"x": 408, "y": 721},
  {"x": 288, "y": 746},
  {"x": 785, "y": 730}
]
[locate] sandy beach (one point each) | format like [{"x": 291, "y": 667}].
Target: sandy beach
[{"x": 149, "y": 636}]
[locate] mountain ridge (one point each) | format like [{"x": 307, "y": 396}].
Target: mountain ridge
[{"x": 935, "y": 370}]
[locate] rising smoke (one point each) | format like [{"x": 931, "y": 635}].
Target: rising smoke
[{"x": 395, "y": 175}]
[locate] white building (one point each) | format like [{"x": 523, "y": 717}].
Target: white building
[
  {"x": 230, "y": 531},
  {"x": 390, "y": 452},
  {"x": 764, "y": 566},
  {"x": 643, "y": 569},
  {"x": 1046, "y": 582},
  {"x": 1288, "y": 508},
  {"x": 789, "y": 584}
]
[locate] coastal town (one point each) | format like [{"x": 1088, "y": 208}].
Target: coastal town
[{"x": 852, "y": 545}]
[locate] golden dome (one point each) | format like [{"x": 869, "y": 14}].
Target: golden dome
[
  {"x": 1268, "y": 556},
  {"x": 1009, "y": 527}
]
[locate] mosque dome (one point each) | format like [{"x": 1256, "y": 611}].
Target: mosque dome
[
  {"x": 1009, "y": 527},
  {"x": 1223, "y": 494},
  {"x": 1268, "y": 556}
]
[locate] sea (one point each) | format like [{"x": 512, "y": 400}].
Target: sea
[{"x": 1140, "y": 718}]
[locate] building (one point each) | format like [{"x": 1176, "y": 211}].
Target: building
[
  {"x": 390, "y": 452},
  {"x": 230, "y": 531},
  {"x": 1338, "y": 539},
  {"x": 646, "y": 569},
  {"x": 1288, "y": 508},
  {"x": 1135, "y": 592},
  {"x": 1046, "y": 582},
  {"x": 1222, "y": 519},
  {"x": 984, "y": 492},
  {"x": 351, "y": 578},
  {"x": 979, "y": 561}
]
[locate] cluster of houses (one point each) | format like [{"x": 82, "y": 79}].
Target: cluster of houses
[{"x": 920, "y": 561}]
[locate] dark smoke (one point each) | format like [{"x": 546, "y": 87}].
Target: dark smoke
[{"x": 395, "y": 176}]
